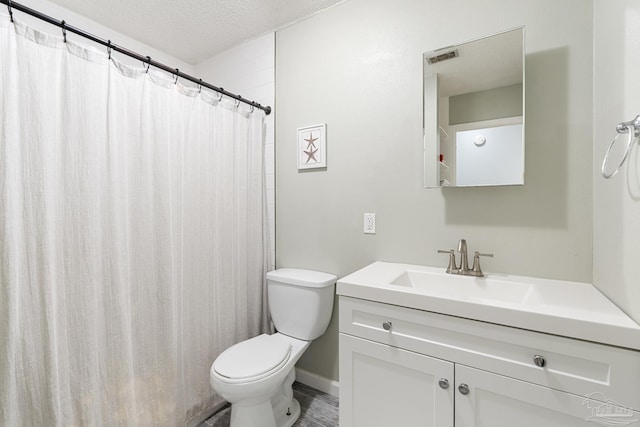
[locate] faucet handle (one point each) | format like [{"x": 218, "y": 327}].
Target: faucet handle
[
  {"x": 452, "y": 259},
  {"x": 476, "y": 253},
  {"x": 477, "y": 271}
]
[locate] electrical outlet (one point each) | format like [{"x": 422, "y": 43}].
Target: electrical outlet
[{"x": 369, "y": 223}]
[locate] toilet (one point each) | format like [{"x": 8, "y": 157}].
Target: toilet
[{"x": 256, "y": 375}]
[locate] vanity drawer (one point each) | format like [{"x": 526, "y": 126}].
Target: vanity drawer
[{"x": 589, "y": 369}]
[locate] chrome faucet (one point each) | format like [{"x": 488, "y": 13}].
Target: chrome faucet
[{"x": 464, "y": 261}]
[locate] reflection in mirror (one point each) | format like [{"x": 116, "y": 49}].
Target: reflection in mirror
[{"x": 474, "y": 113}]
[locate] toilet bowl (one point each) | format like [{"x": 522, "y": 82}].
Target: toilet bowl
[{"x": 256, "y": 375}]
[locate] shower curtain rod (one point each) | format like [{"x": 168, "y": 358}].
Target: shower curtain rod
[{"x": 110, "y": 46}]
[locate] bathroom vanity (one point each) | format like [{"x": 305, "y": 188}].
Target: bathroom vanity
[{"x": 419, "y": 347}]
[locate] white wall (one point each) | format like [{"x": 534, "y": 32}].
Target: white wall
[
  {"x": 504, "y": 101},
  {"x": 616, "y": 205},
  {"x": 358, "y": 68},
  {"x": 249, "y": 70},
  {"x": 499, "y": 160},
  {"x": 79, "y": 21}
]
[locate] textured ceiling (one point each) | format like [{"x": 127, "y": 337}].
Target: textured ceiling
[{"x": 194, "y": 30}]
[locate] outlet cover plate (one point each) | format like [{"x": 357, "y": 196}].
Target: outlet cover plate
[{"x": 369, "y": 223}]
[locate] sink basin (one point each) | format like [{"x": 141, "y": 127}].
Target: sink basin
[
  {"x": 571, "y": 309},
  {"x": 465, "y": 288}
]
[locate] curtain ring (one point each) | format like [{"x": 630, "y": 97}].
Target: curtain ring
[
  {"x": 221, "y": 95},
  {"x": 200, "y": 87},
  {"x": 63, "y": 25},
  {"x": 238, "y": 101},
  {"x": 148, "y": 64},
  {"x": 252, "y": 107},
  {"x": 10, "y": 10},
  {"x": 622, "y": 128},
  {"x": 177, "y": 75},
  {"x": 109, "y": 48}
]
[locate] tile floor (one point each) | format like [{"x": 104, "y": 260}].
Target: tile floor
[{"x": 318, "y": 409}]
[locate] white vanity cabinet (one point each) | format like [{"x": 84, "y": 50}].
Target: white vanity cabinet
[
  {"x": 395, "y": 363},
  {"x": 499, "y": 401},
  {"x": 388, "y": 386}
]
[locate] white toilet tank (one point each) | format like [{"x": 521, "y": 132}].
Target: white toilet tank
[{"x": 301, "y": 301}]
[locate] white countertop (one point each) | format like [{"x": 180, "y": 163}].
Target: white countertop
[{"x": 571, "y": 309}]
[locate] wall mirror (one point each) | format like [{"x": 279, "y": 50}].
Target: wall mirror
[{"x": 474, "y": 112}]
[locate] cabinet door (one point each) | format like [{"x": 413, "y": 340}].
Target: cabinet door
[
  {"x": 498, "y": 401},
  {"x": 384, "y": 386}
]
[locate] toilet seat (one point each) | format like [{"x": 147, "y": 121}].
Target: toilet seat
[{"x": 252, "y": 360}]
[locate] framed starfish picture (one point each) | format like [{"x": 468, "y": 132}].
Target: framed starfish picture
[{"x": 312, "y": 147}]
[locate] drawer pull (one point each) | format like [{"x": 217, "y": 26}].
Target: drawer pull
[
  {"x": 444, "y": 383},
  {"x": 387, "y": 325},
  {"x": 539, "y": 361},
  {"x": 463, "y": 388}
]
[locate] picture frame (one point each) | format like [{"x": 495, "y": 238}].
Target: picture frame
[{"x": 312, "y": 147}]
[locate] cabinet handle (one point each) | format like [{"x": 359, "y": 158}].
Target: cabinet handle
[
  {"x": 539, "y": 361},
  {"x": 444, "y": 383},
  {"x": 386, "y": 325},
  {"x": 463, "y": 388}
]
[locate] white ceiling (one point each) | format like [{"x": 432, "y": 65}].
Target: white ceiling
[{"x": 194, "y": 30}]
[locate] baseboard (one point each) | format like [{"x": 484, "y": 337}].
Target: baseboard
[{"x": 323, "y": 384}]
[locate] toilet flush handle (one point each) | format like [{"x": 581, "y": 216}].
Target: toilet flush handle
[{"x": 386, "y": 325}]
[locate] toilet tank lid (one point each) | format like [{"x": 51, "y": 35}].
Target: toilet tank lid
[{"x": 300, "y": 277}]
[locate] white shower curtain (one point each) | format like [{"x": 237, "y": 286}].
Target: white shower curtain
[{"x": 132, "y": 237}]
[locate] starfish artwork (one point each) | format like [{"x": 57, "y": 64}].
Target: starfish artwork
[
  {"x": 311, "y": 141},
  {"x": 311, "y": 144},
  {"x": 311, "y": 154}
]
